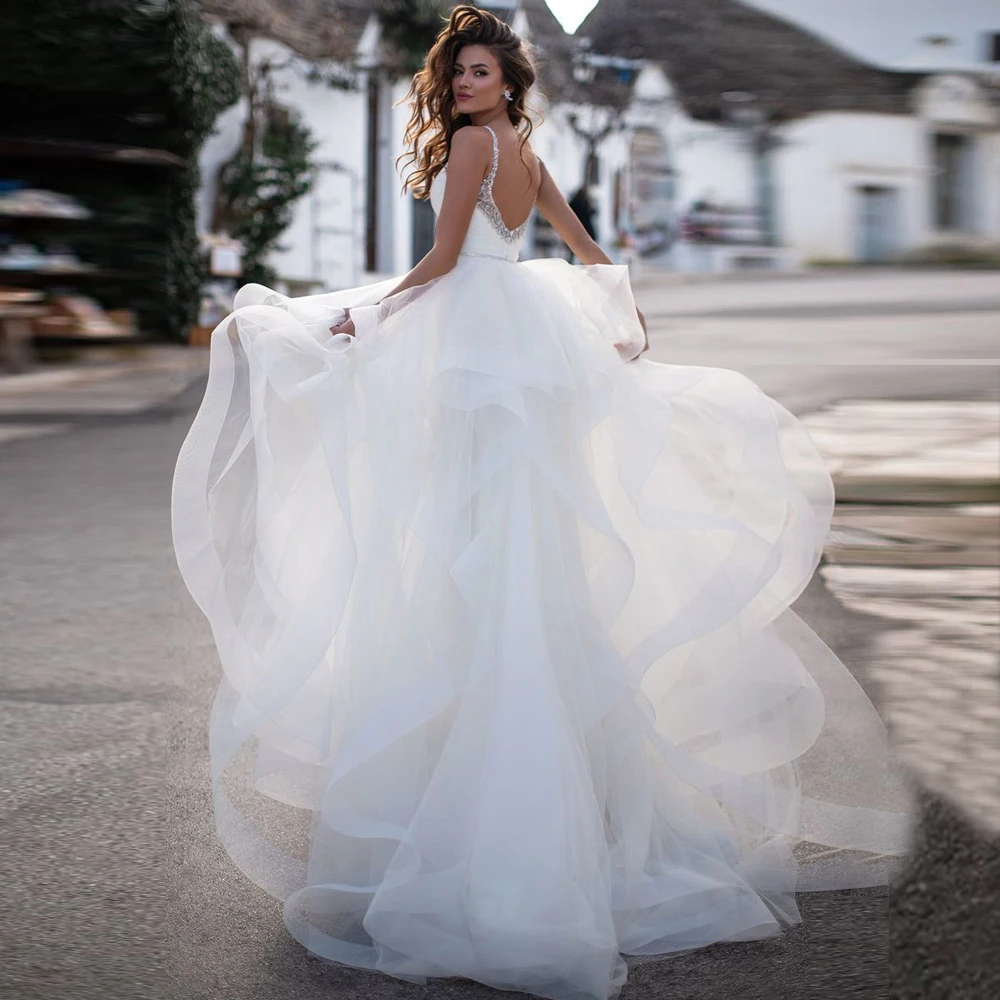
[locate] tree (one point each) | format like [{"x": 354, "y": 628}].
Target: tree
[
  {"x": 409, "y": 28},
  {"x": 258, "y": 187},
  {"x": 144, "y": 73}
]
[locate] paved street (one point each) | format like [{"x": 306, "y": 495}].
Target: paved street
[
  {"x": 811, "y": 341},
  {"x": 115, "y": 885}
]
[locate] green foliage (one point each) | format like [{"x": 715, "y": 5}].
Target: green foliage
[
  {"x": 258, "y": 188},
  {"x": 204, "y": 80},
  {"x": 333, "y": 75},
  {"x": 409, "y": 28},
  {"x": 142, "y": 72},
  {"x": 131, "y": 72},
  {"x": 974, "y": 256},
  {"x": 943, "y": 256},
  {"x": 203, "y": 75}
]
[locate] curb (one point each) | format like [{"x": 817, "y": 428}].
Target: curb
[{"x": 184, "y": 361}]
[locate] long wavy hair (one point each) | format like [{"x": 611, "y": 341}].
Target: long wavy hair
[{"x": 435, "y": 116}]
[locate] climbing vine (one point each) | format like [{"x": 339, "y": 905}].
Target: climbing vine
[
  {"x": 259, "y": 186},
  {"x": 409, "y": 28}
]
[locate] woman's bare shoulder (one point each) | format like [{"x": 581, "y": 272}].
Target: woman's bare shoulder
[
  {"x": 469, "y": 144},
  {"x": 471, "y": 136}
]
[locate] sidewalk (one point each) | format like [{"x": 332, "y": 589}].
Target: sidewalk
[
  {"x": 160, "y": 358},
  {"x": 911, "y": 451},
  {"x": 53, "y": 399},
  {"x": 916, "y": 545}
]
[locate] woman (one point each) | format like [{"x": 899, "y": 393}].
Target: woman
[{"x": 503, "y": 612}]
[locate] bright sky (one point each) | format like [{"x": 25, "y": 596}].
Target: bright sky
[
  {"x": 571, "y": 13},
  {"x": 889, "y": 31},
  {"x": 884, "y": 32}
]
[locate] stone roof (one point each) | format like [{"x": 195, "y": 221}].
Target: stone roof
[
  {"x": 315, "y": 29},
  {"x": 708, "y": 47},
  {"x": 705, "y": 47}
]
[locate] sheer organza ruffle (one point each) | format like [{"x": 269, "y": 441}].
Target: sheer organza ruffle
[{"x": 511, "y": 686}]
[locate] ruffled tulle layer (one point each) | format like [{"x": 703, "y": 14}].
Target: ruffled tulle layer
[{"x": 504, "y": 620}]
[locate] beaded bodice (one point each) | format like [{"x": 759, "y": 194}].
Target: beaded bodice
[
  {"x": 487, "y": 205},
  {"x": 487, "y": 235}
]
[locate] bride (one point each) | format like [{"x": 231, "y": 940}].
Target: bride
[{"x": 511, "y": 684}]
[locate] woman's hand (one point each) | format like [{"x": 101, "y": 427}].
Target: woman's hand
[
  {"x": 645, "y": 335},
  {"x": 346, "y": 326}
]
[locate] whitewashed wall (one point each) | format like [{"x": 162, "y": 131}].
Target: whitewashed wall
[
  {"x": 989, "y": 177},
  {"x": 218, "y": 148},
  {"x": 337, "y": 119},
  {"x": 402, "y": 205},
  {"x": 826, "y": 158},
  {"x": 712, "y": 162}
]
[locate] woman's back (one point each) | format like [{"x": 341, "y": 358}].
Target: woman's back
[
  {"x": 517, "y": 178},
  {"x": 507, "y": 194}
]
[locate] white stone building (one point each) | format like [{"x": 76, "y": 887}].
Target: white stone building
[
  {"x": 691, "y": 101},
  {"x": 847, "y": 160},
  {"x": 356, "y": 223}
]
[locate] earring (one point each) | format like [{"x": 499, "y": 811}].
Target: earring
[{"x": 508, "y": 94}]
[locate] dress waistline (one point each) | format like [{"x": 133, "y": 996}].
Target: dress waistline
[{"x": 493, "y": 256}]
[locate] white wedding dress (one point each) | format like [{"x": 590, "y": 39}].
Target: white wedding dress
[{"x": 511, "y": 686}]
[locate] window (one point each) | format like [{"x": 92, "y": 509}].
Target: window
[
  {"x": 993, "y": 47},
  {"x": 952, "y": 164}
]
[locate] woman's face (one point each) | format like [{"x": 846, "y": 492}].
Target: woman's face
[{"x": 477, "y": 82}]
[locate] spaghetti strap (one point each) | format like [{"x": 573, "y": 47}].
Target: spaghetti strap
[
  {"x": 487, "y": 203},
  {"x": 496, "y": 156}
]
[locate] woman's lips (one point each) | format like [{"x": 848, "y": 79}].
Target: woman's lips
[{"x": 465, "y": 97}]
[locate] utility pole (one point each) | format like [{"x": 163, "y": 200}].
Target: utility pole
[
  {"x": 585, "y": 66},
  {"x": 741, "y": 109}
]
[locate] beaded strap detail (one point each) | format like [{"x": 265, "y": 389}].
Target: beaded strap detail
[{"x": 489, "y": 206}]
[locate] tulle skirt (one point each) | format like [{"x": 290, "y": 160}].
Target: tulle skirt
[{"x": 511, "y": 684}]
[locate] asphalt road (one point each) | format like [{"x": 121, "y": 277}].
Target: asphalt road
[{"x": 114, "y": 884}]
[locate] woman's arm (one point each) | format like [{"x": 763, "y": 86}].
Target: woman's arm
[
  {"x": 468, "y": 161},
  {"x": 553, "y": 205}
]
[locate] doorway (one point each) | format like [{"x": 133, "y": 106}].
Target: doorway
[
  {"x": 878, "y": 223},
  {"x": 954, "y": 182},
  {"x": 422, "y": 230}
]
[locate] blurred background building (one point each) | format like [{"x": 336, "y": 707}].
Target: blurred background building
[{"x": 711, "y": 134}]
